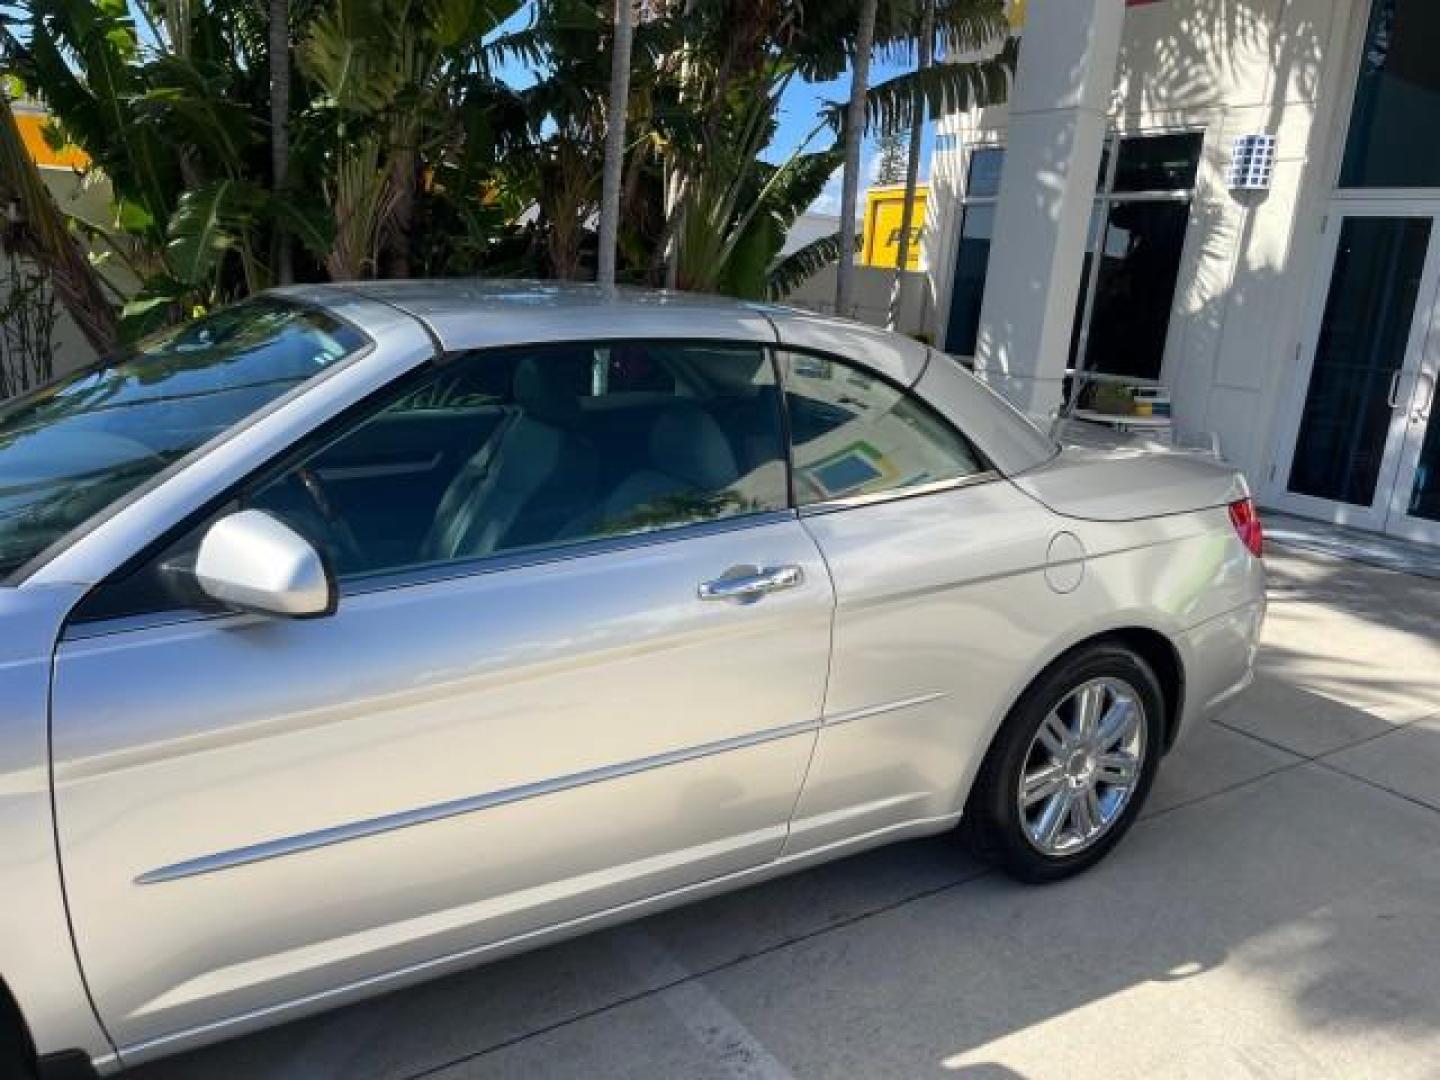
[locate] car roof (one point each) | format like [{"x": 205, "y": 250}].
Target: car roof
[{"x": 466, "y": 314}]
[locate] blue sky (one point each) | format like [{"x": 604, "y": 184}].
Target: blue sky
[{"x": 799, "y": 112}]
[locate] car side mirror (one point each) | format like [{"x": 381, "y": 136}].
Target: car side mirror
[{"x": 251, "y": 561}]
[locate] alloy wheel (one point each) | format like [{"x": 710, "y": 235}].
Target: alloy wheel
[{"x": 1082, "y": 767}]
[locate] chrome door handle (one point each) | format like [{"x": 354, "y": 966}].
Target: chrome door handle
[
  {"x": 752, "y": 585},
  {"x": 1393, "y": 398},
  {"x": 1422, "y": 410}
]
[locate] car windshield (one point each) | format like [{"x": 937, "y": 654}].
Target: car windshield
[{"x": 85, "y": 441}]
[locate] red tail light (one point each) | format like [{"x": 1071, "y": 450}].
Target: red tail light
[{"x": 1247, "y": 526}]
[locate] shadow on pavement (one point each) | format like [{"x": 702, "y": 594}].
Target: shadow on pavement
[{"x": 1280, "y": 924}]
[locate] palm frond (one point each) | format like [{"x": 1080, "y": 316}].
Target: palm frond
[
  {"x": 207, "y": 223},
  {"x": 790, "y": 272},
  {"x": 802, "y": 183},
  {"x": 184, "y": 103},
  {"x": 81, "y": 57},
  {"x": 963, "y": 29},
  {"x": 941, "y": 89},
  {"x": 526, "y": 46}
]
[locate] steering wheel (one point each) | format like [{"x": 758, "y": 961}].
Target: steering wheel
[{"x": 340, "y": 532}]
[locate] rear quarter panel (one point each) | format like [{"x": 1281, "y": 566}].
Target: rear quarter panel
[{"x": 946, "y": 611}]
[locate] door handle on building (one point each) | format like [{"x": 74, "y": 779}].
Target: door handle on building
[
  {"x": 1422, "y": 408},
  {"x": 1393, "y": 398}
]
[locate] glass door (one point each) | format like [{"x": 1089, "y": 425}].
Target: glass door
[
  {"x": 1415, "y": 501},
  {"x": 1367, "y": 373}
]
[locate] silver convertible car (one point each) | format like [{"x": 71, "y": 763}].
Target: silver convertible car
[{"x": 355, "y": 634}]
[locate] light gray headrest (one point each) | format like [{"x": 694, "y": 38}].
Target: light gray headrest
[{"x": 689, "y": 444}]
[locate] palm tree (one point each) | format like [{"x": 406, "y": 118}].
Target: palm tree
[
  {"x": 912, "y": 165},
  {"x": 610, "y": 177},
  {"x": 37, "y": 231},
  {"x": 279, "y": 51},
  {"x": 854, "y": 137}
]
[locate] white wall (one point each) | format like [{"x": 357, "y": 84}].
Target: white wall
[
  {"x": 872, "y": 297},
  {"x": 1227, "y": 67},
  {"x": 808, "y": 228},
  {"x": 71, "y": 350}
]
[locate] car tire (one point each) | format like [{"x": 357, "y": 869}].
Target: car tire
[
  {"x": 1097, "y": 780},
  {"x": 15, "y": 1057}
]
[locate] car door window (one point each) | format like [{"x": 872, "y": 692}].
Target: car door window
[
  {"x": 855, "y": 434},
  {"x": 516, "y": 450}
]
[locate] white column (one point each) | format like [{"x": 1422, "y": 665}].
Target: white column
[{"x": 1059, "y": 107}]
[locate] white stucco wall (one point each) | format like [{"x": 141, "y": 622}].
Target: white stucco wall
[
  {"x": 1227, "y": 67},
  {"x": 873, "y": 286},
  {"x": 71, "y": 350}
]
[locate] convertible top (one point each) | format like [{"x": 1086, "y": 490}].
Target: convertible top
[{"x": 464, "y": 314}]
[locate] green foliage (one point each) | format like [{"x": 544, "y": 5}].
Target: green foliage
[
  {"x": 409, "y": 154},
  {"x": 787, "y": 274},
  {"x": 939, "y": 89},
  {"x": 890, "y": 147}
]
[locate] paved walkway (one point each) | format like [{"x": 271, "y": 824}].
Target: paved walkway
[
  {"x": 1370, "y": 548},
  {"x": 1277, "y": 914}
]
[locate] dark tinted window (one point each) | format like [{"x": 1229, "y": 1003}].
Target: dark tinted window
[
  {"x": 1087, "y": 267},
  {"x": 1134, "y": 247},
  {"x": 855, "y": 434},
  {"x": 528, "y": 448},
  {"x": 80, "y": 444},
  {"x": 972, "y": 253},
  {"x": 1135, "y": 288},
  {"x": 967, "y": 290},
  {"x": 1158, "y": 162},
  {"x": 1394, "y": 138},
  {"x": 986, "y": 163},
  {"x": 508, "y": 450},
  {"x": 1364, "y": 333}
]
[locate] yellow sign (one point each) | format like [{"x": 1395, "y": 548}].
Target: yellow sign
[
  {"x": 884, "y": 211},
  {"x": 32, "y": 131}
]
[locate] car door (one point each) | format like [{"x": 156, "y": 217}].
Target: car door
[
  {"x": 612, "y": 693},
  {"x": 941, "y": 598}
]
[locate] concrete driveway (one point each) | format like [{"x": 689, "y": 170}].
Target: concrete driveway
[{"x": 1276, "y": 914}]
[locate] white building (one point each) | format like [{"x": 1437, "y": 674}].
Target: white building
[{"x": 1093, "y": 224}]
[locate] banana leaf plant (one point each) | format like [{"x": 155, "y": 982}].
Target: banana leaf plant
[
  {"x": 173, "y": 119},
  {"x": 36, "y": 228}
]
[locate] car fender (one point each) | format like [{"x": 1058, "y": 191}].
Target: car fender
[
  {"x": 1072, "y": 636},
  {"x": 37, "y": 954}
]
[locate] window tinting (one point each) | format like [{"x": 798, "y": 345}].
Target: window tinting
[
  {"x": 972, "y": 254},
  {"x": 855, "y": 434},
  {"x": 530, "y": 448},
  {"x": 967, "y": 289},
  {"x": 1133, "y": 251},
  {"x": 1087, "y": 267},
  {"x": 986, "y": 163},
  {"x": 1364, "y": 333},
  {"x": 1158, "y": 162},
  {"x": 511, "y": 450},
  {"x": 75, "y": 447},
  {"x": 1394, "y": 138},
  {"x": 1134, "y": 290}
]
